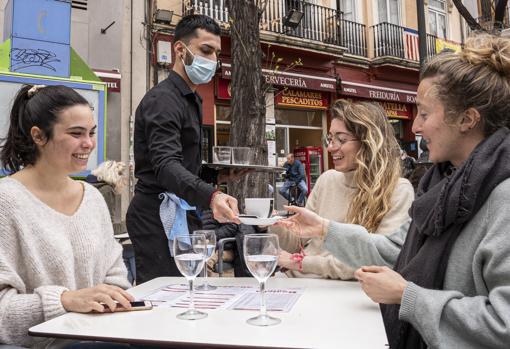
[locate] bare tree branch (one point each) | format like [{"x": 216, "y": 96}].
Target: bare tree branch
[{"x": 473, "y": 24}]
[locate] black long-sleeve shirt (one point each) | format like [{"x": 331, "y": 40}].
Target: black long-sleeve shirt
[{"x": 167, "y": 143}]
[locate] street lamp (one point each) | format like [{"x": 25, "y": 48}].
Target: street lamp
[
  {"x": 163, "y": 16},
  {"x": 293, "y": 18}
]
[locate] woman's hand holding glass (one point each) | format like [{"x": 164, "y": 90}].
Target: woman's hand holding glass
[
  {"x": 305, "y": 223},
  {"x": 90, "y": 299}
]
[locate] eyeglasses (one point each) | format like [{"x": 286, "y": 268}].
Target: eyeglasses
[{"x": 338, "y": 139}]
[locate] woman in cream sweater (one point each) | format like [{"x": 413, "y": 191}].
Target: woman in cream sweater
[
  {"x": 57, "y": 251},
  {"x": 364, "y": 188}
]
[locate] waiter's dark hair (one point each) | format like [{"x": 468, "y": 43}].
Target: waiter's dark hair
[
  {"x": 37, "y": 106},
  {"x": 188, "y": 25}
]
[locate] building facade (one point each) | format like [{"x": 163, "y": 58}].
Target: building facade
[
  {"x": 360, "y": 50},
  {"x": 357, "y": 49}
]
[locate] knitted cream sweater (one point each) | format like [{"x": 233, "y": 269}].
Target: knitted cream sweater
[
  {"x": 330, "y": 198},
  {"x": 44, "y": 252}
]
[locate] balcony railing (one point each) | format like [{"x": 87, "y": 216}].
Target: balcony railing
[
  {"x": 396, "y": 41},
  {"x": 318, "y": 24},
  {"x": 388, "y": 40},
  {"x": 216, "y": 9},
  {"x": 353, "y": 36}
]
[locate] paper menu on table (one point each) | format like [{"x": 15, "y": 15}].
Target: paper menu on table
[
  {"x": 224, "y": 297},
  {"x": 276, "y": 300}
]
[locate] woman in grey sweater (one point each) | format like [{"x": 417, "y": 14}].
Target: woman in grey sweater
[
  {"x": 57, "y": 250},
  {"x": 449, "y": 282}
]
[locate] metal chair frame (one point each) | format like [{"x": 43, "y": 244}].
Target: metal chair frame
[{"x": 221, "y": 249}]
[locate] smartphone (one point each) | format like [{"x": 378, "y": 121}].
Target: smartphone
[{"x": 138, "y": 305}]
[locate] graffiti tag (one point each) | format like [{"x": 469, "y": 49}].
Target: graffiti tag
[{"x": 25, "y": 58}]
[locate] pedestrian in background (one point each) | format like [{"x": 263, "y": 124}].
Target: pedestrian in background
[{"x": 294, "y": 177}]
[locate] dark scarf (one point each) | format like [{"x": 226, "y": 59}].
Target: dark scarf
[{"x": 447, "y": 199}]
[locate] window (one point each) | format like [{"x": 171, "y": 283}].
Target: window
[
  {"x": 437, "y": 18},
  {"x": 348, "y": 8},
  {"x": 312, "y": 118},
  {"x": 294, "y": 128},
  {"x": 388, "y": 11}
]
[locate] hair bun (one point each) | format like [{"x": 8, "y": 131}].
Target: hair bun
[{"x": 491, "y": 51}]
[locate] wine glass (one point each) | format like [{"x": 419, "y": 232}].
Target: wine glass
[
  {"x": 261, "y": 256},
  {"x": 210, "y": 237},
  {"x": 189, "y": 252}
]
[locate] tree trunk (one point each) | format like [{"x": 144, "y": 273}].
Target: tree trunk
[{"x": 248, "y": 104}]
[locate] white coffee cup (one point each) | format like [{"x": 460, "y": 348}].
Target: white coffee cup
[{"x": 260, "y": 207}]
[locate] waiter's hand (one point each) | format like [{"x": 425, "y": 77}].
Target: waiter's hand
[
  {"x": 232, "y": 175},
  {"x": 224, "y": 208}
]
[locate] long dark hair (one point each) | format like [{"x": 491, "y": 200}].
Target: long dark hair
[{"x": 34, "y": 106}]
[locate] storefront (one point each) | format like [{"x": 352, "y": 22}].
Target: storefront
[
  {"x": 295, "y": 119},
  {"x": 399, "y": 105}
]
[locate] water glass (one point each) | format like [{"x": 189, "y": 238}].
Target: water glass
[
  {"x": 261, "y": 256},
  {"x": 189, "y": 255},
  {"x": 222, "y": 155},
  {"x": 242, "y": 155},
  {"x": 210, "y": 240}
]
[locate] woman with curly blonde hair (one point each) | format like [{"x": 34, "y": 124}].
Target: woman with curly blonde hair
[{"x": 364, "y": 188}]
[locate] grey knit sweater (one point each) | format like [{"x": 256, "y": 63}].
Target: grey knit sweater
[
  {"x": 473, "y": 310},
  {"x": 44, "y": 252}
]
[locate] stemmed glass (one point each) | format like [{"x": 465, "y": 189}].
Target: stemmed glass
[
  {"x": 210, "y": 237},
  {"x": 189, "y": 252},
  {"x": 261, "y": 256}
]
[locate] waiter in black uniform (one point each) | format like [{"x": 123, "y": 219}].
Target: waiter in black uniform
[{"x": 167, "y": 149}]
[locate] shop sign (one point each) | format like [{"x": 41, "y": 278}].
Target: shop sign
[
  {"x": 111, "y": 78},
  {"x": 380, "y": 93},
  {"x": 397, "y": 110},
  {"x": 301, "y": 99},
  {"x": 392, "y": 110},
  {"x": 289, "y": 79}
]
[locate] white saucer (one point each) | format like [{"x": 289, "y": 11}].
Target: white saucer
[{"x": 260, "y": 221}]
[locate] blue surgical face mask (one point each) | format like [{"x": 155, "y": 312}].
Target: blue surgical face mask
[{"x": 201, "y": 70}]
